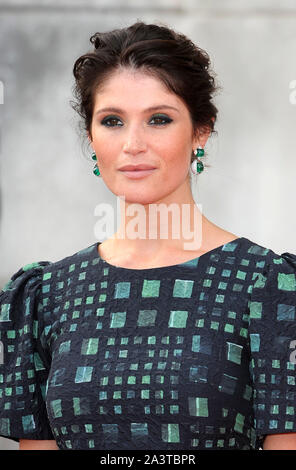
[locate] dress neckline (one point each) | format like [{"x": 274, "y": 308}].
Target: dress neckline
[{"x": 228, "y": 247}]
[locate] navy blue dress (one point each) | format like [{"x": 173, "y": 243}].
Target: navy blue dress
[{"x": 198, "y": 355}]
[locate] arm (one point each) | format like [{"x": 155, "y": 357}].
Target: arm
[
  {"x": 31, "y": 444},
  {"x": 284, "y": 441}
]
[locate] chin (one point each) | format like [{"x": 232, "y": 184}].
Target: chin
[
  {"x": 136, "y": 194},
  {"x": 139, "y": 198}
]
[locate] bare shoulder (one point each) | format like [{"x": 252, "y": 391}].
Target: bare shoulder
[
  {"x": 32, "y": 444},
  {"x": 217, "y": 238},
  {"x": 229, "y": 237}
]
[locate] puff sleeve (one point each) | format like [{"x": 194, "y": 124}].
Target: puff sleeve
[
  {"x": 272, "y": 341},
  {"x": 24, "y": 365}
]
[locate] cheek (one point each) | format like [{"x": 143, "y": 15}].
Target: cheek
[
  {"x": 106, "y": 157},
  {"x": 177, "y": 158}
]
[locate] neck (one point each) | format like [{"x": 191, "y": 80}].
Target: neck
[{"x": 174, "y": 223}]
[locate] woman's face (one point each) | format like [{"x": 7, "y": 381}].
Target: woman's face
[{"x": 133, "y": 134}]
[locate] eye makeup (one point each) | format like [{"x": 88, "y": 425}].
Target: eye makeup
[{"x": 165, "y": 120}]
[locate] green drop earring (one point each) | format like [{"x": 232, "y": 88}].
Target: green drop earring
[
  {"x": 197, "y": 166},
  {"x": 96, "y": 170}
]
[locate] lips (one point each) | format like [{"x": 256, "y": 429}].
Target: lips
[
  {"x": 136, "y": 167},
  {"x": 137, "y": 172}
]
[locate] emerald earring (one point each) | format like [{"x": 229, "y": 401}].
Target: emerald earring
[
  {"x": 197, "y": 166},
  {"x": 96, "y": 170}
]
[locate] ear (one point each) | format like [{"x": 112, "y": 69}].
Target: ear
[
  {"x": 201, "y": 139},
  {"x": 89, "y": 136},
  {"x": 202, "y": 136}
]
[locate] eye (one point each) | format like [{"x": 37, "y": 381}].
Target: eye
[
  {"x": 109, "y": 119},
  {"x": 159, "y": 120},
  {"x": 164, "y": 119}
]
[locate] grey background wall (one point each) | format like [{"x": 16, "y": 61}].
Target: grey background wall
[{"x": 48, "y": 190}]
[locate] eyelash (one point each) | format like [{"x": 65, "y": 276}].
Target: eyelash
[{"x": 109, "y": 118}]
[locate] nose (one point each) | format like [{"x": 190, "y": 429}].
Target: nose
[{"x": 134, "y": 142}]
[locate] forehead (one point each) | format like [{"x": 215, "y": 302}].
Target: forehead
[
  {"x": 126, "y": 75},
  {"x": 135, "y": 87}
]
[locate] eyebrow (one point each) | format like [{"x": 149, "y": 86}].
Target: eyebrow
[{"x": 152, "y": 108}]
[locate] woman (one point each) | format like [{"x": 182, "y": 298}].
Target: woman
[{"x": 146, "y": 343}]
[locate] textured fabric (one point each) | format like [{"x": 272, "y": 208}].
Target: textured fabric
[{"x": 198, "y": 355}]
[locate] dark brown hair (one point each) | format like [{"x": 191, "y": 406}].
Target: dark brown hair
[{"x": 158, "y": 50}]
